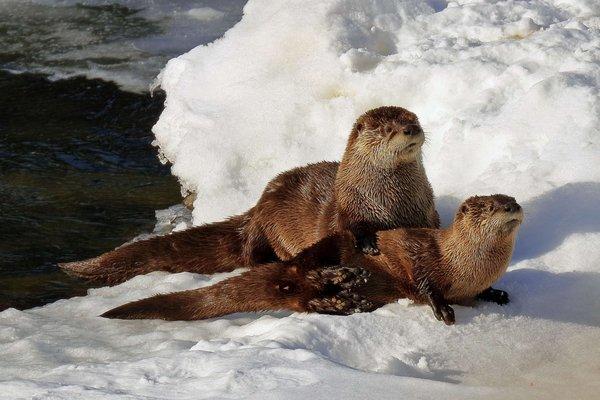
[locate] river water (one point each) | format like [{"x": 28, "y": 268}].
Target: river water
[{"x": 78, "y": 173}]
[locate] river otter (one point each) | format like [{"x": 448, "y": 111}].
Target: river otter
[
  {"x": 430, "y": 266},
  {"x": 380, "y": 184}
]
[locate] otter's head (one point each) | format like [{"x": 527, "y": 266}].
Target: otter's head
[
  {"x": 497, "y": 215},
  {"x": 387, "y": 135}
]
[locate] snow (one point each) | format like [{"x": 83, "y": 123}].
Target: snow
[
  {"x": 508, "y": 94},
  {"x": 516, "y": 80}
]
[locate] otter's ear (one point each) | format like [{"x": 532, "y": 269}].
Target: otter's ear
[
  {"x": 464, "y": 209},
  {"x": 359, "y": 126}
]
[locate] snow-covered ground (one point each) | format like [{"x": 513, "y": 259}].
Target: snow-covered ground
[{"x": 508, "y": 92}]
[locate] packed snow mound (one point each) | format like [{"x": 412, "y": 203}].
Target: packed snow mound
[
  {"x": 508, "y": 94},
  {"x": 506, "y": 91}
]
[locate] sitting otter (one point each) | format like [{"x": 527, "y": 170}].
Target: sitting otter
[
  {"x": 430, "y": 266},
  {"x": 380, "y": 184}
]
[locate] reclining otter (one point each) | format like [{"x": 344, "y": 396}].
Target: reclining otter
[{"x": 430, "y": 266}]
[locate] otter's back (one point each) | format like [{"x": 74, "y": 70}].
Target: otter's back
[{"x": 296, "y": 208}]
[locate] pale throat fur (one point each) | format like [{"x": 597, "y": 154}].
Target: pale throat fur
[
  {"x": 387, "y": 191},
  {"x": 480, "y": 257}
]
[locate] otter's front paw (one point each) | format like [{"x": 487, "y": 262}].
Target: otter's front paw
[
  {"x": 367, "y": 244},
  {"x": 495, "y": 296},
  {"x": 444, "y": 313}
]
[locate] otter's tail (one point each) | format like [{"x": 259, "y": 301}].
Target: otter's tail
[
  {"x": 301, "y": 284},
  {"x": 205, "y": 249},
  {"x": 264, "y": 287}
]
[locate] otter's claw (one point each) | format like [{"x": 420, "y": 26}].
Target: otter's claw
[
  {"x": 367, "y": 244},
  {"x": 444, "y": 313}
]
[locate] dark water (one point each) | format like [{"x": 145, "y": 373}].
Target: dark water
[
  {"x": 126, "y": 41},
  {"x": 78, "y": 176}
]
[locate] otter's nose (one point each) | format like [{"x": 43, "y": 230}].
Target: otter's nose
[
  {"x": 513, "y": 206},
  {"x": 411, "y": 130}
]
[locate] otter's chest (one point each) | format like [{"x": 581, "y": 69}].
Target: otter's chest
[
  {"x": 476, "y": 276},
  {"x": 399, "y": 202}
]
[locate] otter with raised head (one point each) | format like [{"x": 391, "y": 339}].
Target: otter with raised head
[
  {"x": 429, "y": 266},
  {"x": 380, "y": 184}
]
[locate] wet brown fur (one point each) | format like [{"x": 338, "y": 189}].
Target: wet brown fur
[
  {"x": 208, "y": 249},
  {"x": 379, "y": 184},
  {"x": 452, "y": 265}
]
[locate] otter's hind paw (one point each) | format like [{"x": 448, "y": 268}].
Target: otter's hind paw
[
  {"x": 337, "y": 295},
  {"x": 338, "y": 278},
  {"x": 343, "y": 303}
]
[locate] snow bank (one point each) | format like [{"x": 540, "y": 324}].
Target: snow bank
[{"x": 508, "y": 93}]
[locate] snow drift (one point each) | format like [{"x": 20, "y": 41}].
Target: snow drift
[{"x": 508, "y": 94}]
